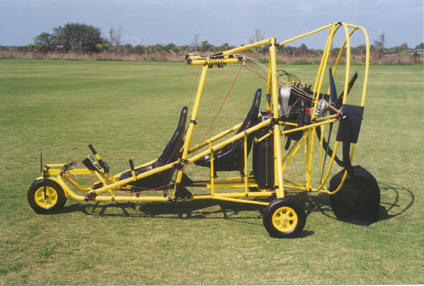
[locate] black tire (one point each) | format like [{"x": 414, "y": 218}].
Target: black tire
[
  {"x": 358, "y": 200},
  {"x": 284, "y": 218},
  {"x": 51, "y": 202}
]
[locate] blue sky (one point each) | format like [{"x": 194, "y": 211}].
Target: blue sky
[{"x": 218, "y": 21}]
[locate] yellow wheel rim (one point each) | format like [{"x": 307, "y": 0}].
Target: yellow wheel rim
[
  {"x": 285, "y": 219},
  {"x": 46, "y": 200}
]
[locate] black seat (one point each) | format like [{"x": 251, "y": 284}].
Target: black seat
[
  {"x": 230, "y": 157},
  {"x": 169, "y": 154}
]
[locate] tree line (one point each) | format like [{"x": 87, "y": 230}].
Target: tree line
[{"x": 82, "y": 38}]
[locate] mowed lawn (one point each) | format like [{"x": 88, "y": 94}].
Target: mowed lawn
[{"x": 128, "y": 110}]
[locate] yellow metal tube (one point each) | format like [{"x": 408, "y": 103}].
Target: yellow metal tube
[
  {"x": 229, "y": 140},
  {"x": 194, "y": 112},
  {"x": 246, "y": 189},
  {"x": 212, "y": 172},
  {"x": 225, "y": 181},
  {"x": 324, "y": 180},
  {"x": 110, "y": 198},
  {"x": 76, "y": 185},
  {"x": 55, "y": 165},
  {"x": 278, "y": 174},
  {"x": 236, "y": 195},
  {"x": 139, "y": 176},
  {"x": 323, "y": 67},
  {"x": 269, "y": 85},
  {"x": 132, "y": 199},
  {"x": 347, "y": 74},
  {"x": 264, "y": 137},
  {"x": 293, "y": 152},
  {"x": 221, "y": 198},
  {"x": 68, "y": 191},
  {"x": 338, "y": 188},
  {"x": 214, "y": 138},
  {"x": 118, "y": 175},
  {"x": 316, "y": 94},
  {"x": 326, "y": 117},
  {"x": 310, "y": 126},
  {"x": 56, "y": 172},
  {"x": 299, "y": 142},
  {"x": 339, "y": 55},
  {"x": 367, "y": 65},
  {"x": 208, "y": 61},
  {"x": 231, "y": 186},
  {"x": 246, "y": 47},
  {"x": 304, "y": 35}
]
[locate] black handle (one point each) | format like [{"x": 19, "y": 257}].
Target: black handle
[
  {"x": 92, "y": 149},
  {"x": 131, "y": 164}
]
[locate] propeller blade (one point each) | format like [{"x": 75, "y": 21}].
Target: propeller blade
[
  {"x": 351, "y": 83},
  {"x": 333, "y": 92}
]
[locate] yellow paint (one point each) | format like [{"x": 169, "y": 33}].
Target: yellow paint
[
  {"x": 285, "y": 219},
  {"x": 47, "y": 199}
]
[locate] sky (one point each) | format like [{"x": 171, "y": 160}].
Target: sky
[{"x": 218, "y": 21}]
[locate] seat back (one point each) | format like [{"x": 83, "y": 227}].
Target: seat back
[
  {"x": 251, "y": 117},
  {"x": 230, "y": 157},
  {"x": 250, "y": 120},
  {"x": 170, "y": 154},
  {"x": 172, "y": 149}
]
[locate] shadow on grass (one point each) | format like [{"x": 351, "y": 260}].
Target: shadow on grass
[
  {"x": 402, "y": 200},
  {"x": 193, "y": 209},
  {"x": 395, "y": 200}
]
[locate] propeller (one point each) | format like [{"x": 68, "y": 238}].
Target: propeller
[
  {"x": 333, "y": 91},
  {"x": 338, "y": 101},
  {"x": 351, "y": 83}
]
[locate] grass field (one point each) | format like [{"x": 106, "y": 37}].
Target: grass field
[{"x": 129, "y": 110}]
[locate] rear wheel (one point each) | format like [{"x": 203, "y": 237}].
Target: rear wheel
[
  {"x": 46, "y": 197},
  {"x": 284, "y": 218}
]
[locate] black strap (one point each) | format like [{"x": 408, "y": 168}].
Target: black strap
[
  {"x": 328, "y": 149},
  {"x": 346, "y": 159}
]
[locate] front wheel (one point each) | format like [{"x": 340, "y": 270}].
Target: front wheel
[
  {"x": 284, "y": 218},
  {"x": 46, "y": 196}
]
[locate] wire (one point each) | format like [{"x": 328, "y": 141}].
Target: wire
[
  {"x": 223, "y": 102},
  {"x": 218, "y": 91}
]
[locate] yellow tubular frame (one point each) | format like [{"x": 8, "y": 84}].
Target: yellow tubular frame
[{"x": 110, "y": 183}]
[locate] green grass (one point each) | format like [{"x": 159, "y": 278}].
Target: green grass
[{"x": 129, "y": 110}]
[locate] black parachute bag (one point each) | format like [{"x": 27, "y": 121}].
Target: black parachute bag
[{"x": 358, "y": 200}]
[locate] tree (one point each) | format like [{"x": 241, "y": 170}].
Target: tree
[
  {"x": 223, "y": 47},
  {"x": 205, "y": 46},
  {"x": 195, "y": 43},
  {"x": 303, "y": 49},
  {"x": 379, "y": 44},
  {"x": 45, "y": 42},
  {"x": 171, "y": 47},
  {"x": 78, "y": 37},
  {"x": 257, "y": 36},
  {"x": 115, "y": 36}
]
